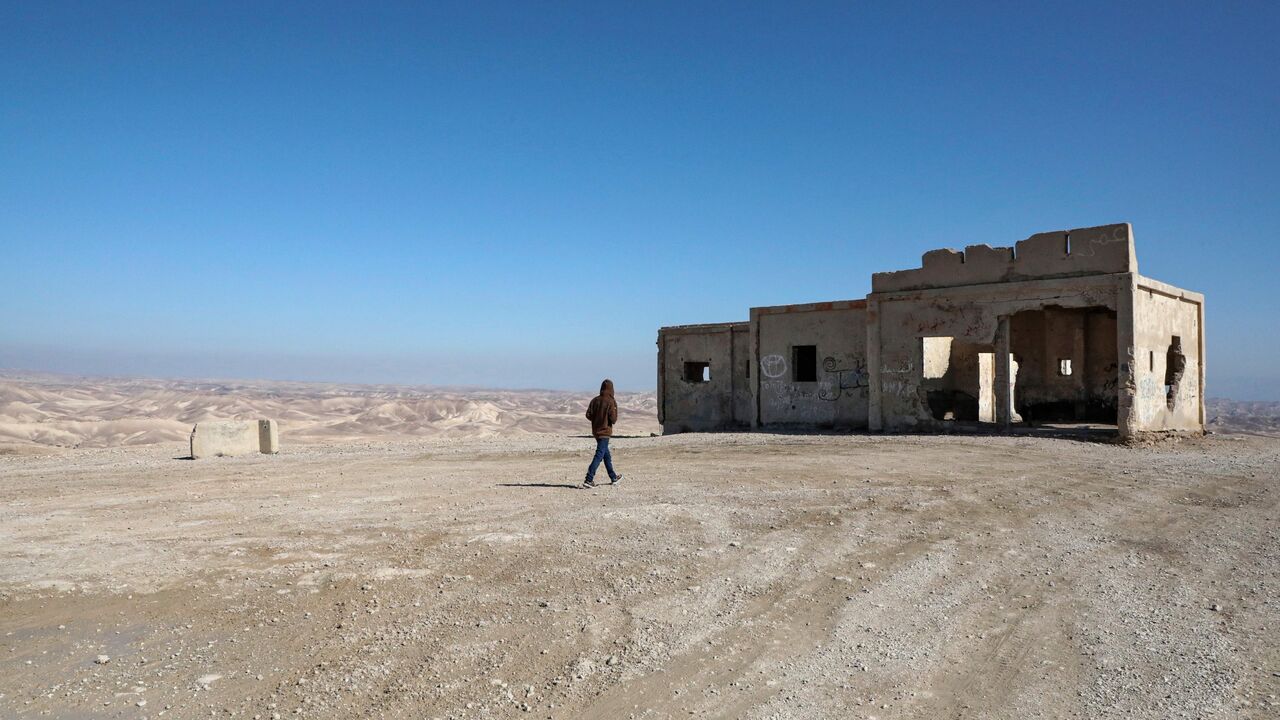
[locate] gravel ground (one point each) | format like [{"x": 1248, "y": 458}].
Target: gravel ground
[{"x": 730, "y": 575}]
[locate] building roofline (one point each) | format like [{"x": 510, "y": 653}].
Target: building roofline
[
  {"x": 810, "y": 307},
  {"x": 704, "y": 327},
  {"x": 1146, "y": 283}
]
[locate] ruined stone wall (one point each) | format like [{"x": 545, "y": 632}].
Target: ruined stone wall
[
  {"x": 685, "y": 402},
  {"x": 1164, "y": 398},
  {"x": 970, "y": 315},
  {"x": 954, "y": 340},
  {"x": 837, "y": 394},
  {"x": 1062, "y": 253}
]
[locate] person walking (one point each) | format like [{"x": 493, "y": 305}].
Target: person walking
[{"x": 603, "y": 413}]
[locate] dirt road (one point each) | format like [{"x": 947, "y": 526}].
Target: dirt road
[{"x": 754, "y": 576}]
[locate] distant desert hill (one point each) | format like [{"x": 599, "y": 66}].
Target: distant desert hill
[
  {"x": 1243, "y": 417},
  {"x": 38, "y": 410},
  {"x": 46, "y": 410}
]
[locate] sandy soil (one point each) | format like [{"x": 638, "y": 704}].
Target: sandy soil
[{"x": 754, "y": 576}]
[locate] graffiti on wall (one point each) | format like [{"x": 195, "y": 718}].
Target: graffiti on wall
[
  {"x": 773, "y": 366},
  {"x": 841, "y": 378}
]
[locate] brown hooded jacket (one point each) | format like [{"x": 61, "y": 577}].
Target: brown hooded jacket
[{"x": 603, "y": 411}]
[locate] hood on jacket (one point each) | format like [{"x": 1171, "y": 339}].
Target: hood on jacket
[{"x": 606, "y": 387}]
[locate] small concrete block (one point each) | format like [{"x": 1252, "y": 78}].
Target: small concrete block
[
  {"x": 1103, "y": 249},
  {"x": 896, "y": 281},
  {"x": 220, "y": 438},
  {"x": 985, "y": 264},
  {"x": 940, "y": 268},
  {"x": 1042, "y": 254},
  {"x": 945, "y": 259}
]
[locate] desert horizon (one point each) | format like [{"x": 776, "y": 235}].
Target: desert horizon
[
  {"x": 45, "y": 410},
  {"x": 48, "y": 410}
]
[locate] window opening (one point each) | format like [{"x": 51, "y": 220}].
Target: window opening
[
  {"x": 697, "y": 372},
  {"x": 804, "y": 361},
  {"x": 1064, "y": 367},
  {"x": 1175, "y": 365},
  {"x": 935, "y": 357}
]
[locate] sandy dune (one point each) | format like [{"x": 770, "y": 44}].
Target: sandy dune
[{"x": 43, "y": 410}]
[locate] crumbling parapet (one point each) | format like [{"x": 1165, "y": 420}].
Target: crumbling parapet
[
  {"x": 220, "y": 438},
  {"x": 1063, "y": 253}
]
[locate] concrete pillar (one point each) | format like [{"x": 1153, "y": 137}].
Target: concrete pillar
[
  {"x": 986, "y": 387},
  {"x": 1004, "y": 375},
  {"x": 875, "y": 418},
  {"x": 662, "y": 371},
  {"x": 733, "y": 382},
  {"x": 1127, "y": 385},
  {"x": 268, "y": 437},
  {"x": 1080, "y": 361},
  {"x": 1200, "y": 347},
  {"x": 754, "y": 329}
]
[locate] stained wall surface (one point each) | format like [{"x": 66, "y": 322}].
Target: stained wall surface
[
  {"x": 837, "y": 393},
  {"x": 1168, "y": 392},
  {"x": 686, "y": 403},
  {"x": 899, "y": 322}
]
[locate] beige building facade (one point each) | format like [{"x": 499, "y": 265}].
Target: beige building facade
[{"x": 1058, "y": 330}]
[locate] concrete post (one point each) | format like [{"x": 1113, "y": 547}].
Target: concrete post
[
  {"x": 1004, "y": 375},
  {"x": 875, "y": 420},
  {"x": 754, "y": 328},
  {"x": 1127, "y": 383},
  {"x": 662, "y": 371},
  {"x": 268, "y": 437},
  {"x": 1203, "y": 395}
]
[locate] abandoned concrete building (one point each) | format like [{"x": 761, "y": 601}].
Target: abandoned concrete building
[{"x": 1058, "y": 331}]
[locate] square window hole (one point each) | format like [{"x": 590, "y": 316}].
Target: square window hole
[
  {"x": 1064, "y": 367},
  {"x": 935, "y": 357},
  {"x": 697, "y": 372}
]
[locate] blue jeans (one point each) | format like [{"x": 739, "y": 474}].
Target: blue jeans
[{"x": 602, "y": 453}]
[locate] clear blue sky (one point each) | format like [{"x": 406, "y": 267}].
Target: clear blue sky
[{"x": 521, "y": 194}]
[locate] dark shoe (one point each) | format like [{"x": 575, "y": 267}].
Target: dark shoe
[
  {"x": 589, "y": 483},
  {"x": 616, "y": 480}
]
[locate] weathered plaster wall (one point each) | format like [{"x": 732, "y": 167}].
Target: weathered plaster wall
[
  {"x": 1000, "y": 321},
  {"x": 1062, "y": 253},
  {"x": 722, "y": 403},
  {"x": 970, "y": 315},
  {"x": 744, "y": 370},
  {"x": 1162, "y": 312},
  {"x": 838, "y": 396}
]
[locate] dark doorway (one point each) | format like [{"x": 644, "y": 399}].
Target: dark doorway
[{"x": 1068, "y": 365}]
